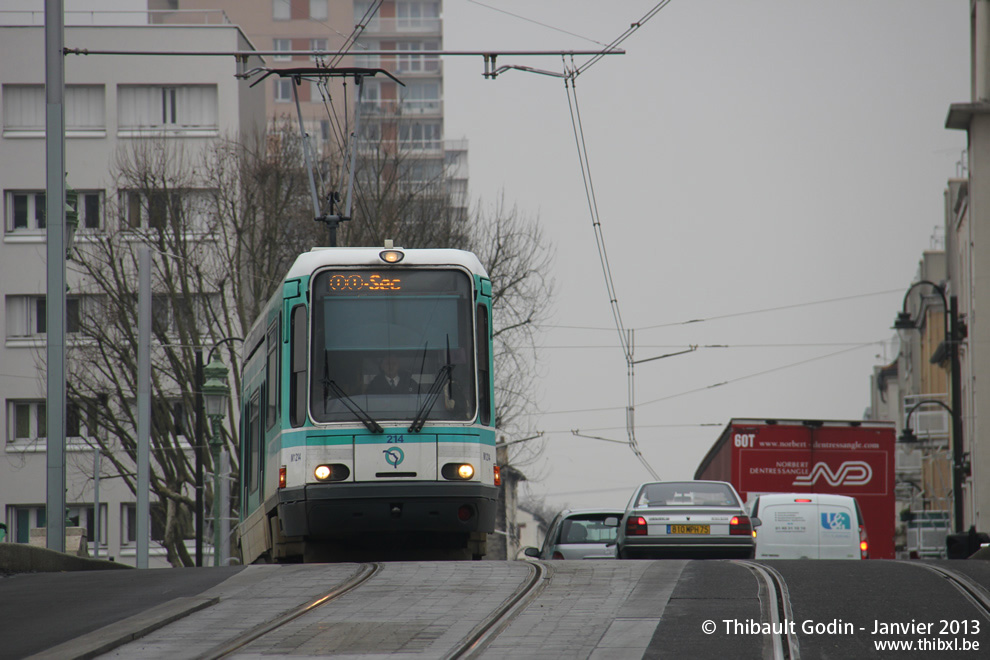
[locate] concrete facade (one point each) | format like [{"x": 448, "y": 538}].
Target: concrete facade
[{"x": 102, "y": 116}]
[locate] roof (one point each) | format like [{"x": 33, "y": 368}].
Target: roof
[{"x": 308, "y": 262}]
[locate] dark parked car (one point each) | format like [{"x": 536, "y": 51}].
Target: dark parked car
[
  {"x": 580, "y": 534},
  {"x": 685, "y": 520}
]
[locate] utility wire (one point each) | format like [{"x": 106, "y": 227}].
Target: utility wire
[
  {"x": 625, "y": 338},
  {"x": 622, "y": 37},
  {"x": 707, "y": 387},
  {"x": 754, "y": 375},
  {"x": 530, "y": 20},
  {"x": 735, "y": 314}
]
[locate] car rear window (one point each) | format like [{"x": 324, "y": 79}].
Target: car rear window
[
  {"x": 587, "y": 529},
  {"x": 686, "y": 494}
]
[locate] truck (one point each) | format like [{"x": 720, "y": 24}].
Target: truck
[{"x": 855, "y": 458}]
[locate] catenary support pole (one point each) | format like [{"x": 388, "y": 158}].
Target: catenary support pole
[
  {"x": 200, "y": 442},
  {"x": 958, "y": 474},
  {"x": 143, "y": 517},
  {"x": 55, "y": 293}
]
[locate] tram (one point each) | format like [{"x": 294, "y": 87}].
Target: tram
[{"x": 367, "y": 415}]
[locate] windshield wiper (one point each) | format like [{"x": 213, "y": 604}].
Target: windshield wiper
[
  {"x": 441, "y": 380},
  {"x": 431, "y": 398},
  {"x": 348, "y": 402}
]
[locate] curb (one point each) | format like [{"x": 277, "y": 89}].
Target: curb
[
  {"x": 23, "y": 558},
  {"x": 117, "y": 634}
]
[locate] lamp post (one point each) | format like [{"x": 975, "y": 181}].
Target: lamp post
[
  {"x": 953, "y": 332},
  {"x": 216, "y": 394}
]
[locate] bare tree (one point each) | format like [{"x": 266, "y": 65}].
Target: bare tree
[
  {"x": 518, "y": 259},
  {"x": 225, "y": 224},
  {"x": 160, "y": 202}
]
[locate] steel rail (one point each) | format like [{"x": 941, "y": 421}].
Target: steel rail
[
  {"x": 366, "y": 572},
  {"x": 784, "y": 643},
  {"x": 486, "y": 631},
  {"x": 976, "y": 594}
]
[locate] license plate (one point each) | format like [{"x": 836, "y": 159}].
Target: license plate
[{"x": 688, "y": 529}]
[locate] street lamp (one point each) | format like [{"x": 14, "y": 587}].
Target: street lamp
[
  {"x": 907, "y": 435},
  {"x": 953, "y": 333},
  {"x": 216, "y": 394}
]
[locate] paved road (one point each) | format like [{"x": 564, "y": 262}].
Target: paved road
[{"x": 586, "y": 609}]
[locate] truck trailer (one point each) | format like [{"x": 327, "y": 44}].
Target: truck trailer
[{"x": 855, "y": 458}]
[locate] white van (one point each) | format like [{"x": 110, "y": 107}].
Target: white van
[{"x": 808, "y": 526}]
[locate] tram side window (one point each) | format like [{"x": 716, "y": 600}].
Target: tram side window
[
  {"x": 297, "y": 379},
  {"x": 271, "y": 386},
  {"x": 254, "y": 442},
  {"x": 484, "y": 387}
]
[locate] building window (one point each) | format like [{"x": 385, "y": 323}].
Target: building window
[
  {"x": 417, "y": 16},
  {"x": 173, "y": 108},
  {"x": 128, "y": 525},
  {"x": 25, "y": 210},
  {"x": 318, "y": 9},
  {"x": 421, "y": 97},
  {"x": 362, "y": 8},
  {"x": 319, "y": 46},
  {"x": 420, "y": 135},
  {"x": 83, "y": 515},
  {"x": 24, "y": 108},
  {"x": 89, "y": 206},
  {"x": 281, "y": 10},
  {"x": 185, "y": 209},
  {"x": 282, "y": 44},
  {"x": 417, "y": 63},
  {"x": 23, "y": 519},
  {"x": 26, "y": 421},
  {"x": 27, "y": 317},
  {"x": 81, "y": 419},
  {"x": 283, "y": 90}
]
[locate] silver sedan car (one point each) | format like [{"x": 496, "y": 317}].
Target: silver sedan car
[
  {"x": 579, "y": 534},
  {"x": 685, "y": 520}
]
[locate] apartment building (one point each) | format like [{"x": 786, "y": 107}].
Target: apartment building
[
  {"x": 111, "y": 103},
  {"x": 406, "y": 119}
]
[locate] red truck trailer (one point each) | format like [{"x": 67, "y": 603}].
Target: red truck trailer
[{"x": 792, "y": 456}]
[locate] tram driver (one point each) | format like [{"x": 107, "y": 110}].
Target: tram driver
[{"x": 391, "y": 380}]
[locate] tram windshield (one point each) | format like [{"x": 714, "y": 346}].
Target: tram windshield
[{"x": 391, "y": 345}]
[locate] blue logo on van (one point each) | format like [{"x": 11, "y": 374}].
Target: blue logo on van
[{"x": 836, "y": 521}]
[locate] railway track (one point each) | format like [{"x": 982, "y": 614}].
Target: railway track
[
  {"x": 971, "y": 591},
  {"x": 472, "y": 645},
  {"x": 365, "y": 573},
  {"x": 476, "y": 641},
  {"x": 784, "y": 642}
]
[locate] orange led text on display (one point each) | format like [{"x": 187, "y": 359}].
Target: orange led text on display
[{"x": 375, "y": 282}]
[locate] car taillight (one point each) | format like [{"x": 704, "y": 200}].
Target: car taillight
[
  {"x": 864, "y": 545},
  {"x": 740, "y": 526},
  {"x": 636, "y": 526}
]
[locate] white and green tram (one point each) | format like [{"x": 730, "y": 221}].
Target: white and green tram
[{"x": 367, "y": 415}]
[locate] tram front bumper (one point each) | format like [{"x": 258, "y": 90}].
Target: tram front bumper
[{"x": 339, "y": 510}]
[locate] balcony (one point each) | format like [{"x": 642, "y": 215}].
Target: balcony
[
  {"x": 123, "y": 17},
  {"x": 403, "y": 25}
]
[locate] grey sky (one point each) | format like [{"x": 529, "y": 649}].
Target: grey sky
[{"x": 746, "y": 156}]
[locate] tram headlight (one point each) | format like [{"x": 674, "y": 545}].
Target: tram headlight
[
  {"x": 331, "y": 472},
  {"x": 457, "y": 471},
  {"x": 391, "y": 256}
]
